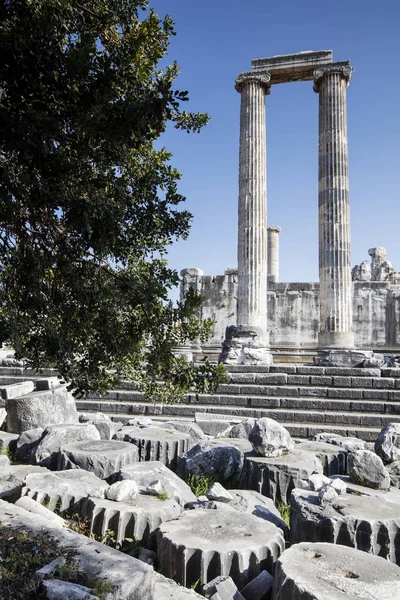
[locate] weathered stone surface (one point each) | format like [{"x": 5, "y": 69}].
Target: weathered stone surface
[
  {"x": 41, "y": 409},
  {"x": 166, "y": 589},
  {"x": 317, "y": 482},
  {"x": 394, "y": 473},
  {"x": 146, "y": 472},
  {"x": 327, "y": 494},
  {"x": 16, "y": 389},
  {"x": 333, "y": 458},
  {"x": 387, "y": 446},
  {"x": 367, "y": 469},
  {"x": 259, "y": 588},
  {"x": 156, "y": 443},
  {"x": 205, "y": 458},
  {"x": 326, "y": 571},
  {"x": 218, "y": 493},
  {"x": 48, "y": 570},
  {"x": 27, "y": 443},
  {"x": 122, "y": 491},
  {"x": 12, "y": 479},
  {"x": 348, "y": 443},
  {"x": 239, "y": 443},
  {"x": 369, "y": 523},
  {"x": 103, "y": 458},
  {"x": 189, "y": 427},
  {"x": 270, "y": 439},
  {"x": 127, "y": 576},
  {"x": 254, "y": 503},
  {"x": 205, "y": 544},
  {"x": 243, "y": 429},
  {"x": 4, "y": 460},
  {"x": 64, "y": 590},
  {"x": 139, "y": 519},
  {"x": 277, "y": 477},
  {"x": 221, "y": 588},
  {"x": 37, "y": 509},
  {"x": 7, "y": 438},
  {"x": 56, "y": 437},
  {"x": 64, "y": 489},
  {"x": 156, "y": 488},
  {"x": 338, "y": 485}
]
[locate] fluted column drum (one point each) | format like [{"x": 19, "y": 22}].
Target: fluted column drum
[
  {"x": 252, "y": 226},
  {"x": 336, "y": 320}
]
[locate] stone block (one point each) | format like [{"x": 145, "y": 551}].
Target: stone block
[
  {"x": 41, "y": 409},
  {"x": 367, "y": 469},
  {"x": 394, "y": 396},
  {"x": 310, "y": 370},
  {"x": 156, "y": 443},
  {"x": 56, "y": 589},
  {"x": 3, "y": 415},
  {"x": 259, "y": 588},
  {"x": 222, "y": 588},
  {"x": 37, "y": 509},
  {"x": 320, "y": 380},
  {"x": 384, "y": 383},
  {"x": 346, "y": 393},
  {"x": 7, "y": 438},
  {"x": 272, "y": 379},
  {"x": 270, "y": 439},
  {"x": 27, "y": 443},
  {"x": 320, "y": 571},
  {"x": 55, "y": 437},
  {"x": 298, "y": 379},
  {"x": 283, "y": 369},
  {"x": 333, "y": 458},
  {"x": 375, "y": 394},
  {"x": 103, "y": 458},
  {"x": 12, "y": 479},
  {"x": 48, "y": 383},
  {"x": 365, "y": 522},
  {"x": 208, "y": 459},
  {"x": 16, "y": 389},
  {"x": 317, "y": 392},
  {"x": 277, "y": 477},
  {"x": 340, "y": 381},
  {"x": 362, "y": 382},
  {"x": 63, "y": 490},
  {"x": 138, "y": 519},
  {"x": 204, "y": 544},
  {"x": 387, "y": 445}
]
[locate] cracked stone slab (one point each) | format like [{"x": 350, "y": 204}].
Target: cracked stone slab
[
  {"x": 277, "y": 477},
  {"x": 63, "y": 490},
  {"x": 137, "y": 519},
  {"x": 202, "y": 545},
  {"x": 320, "y": 571},
  {"x": 144, "y": 473},
  {"x": 156, "y": 443},
  {"x": 102, "y": 457},
  {"x": 366, "y": 522}
]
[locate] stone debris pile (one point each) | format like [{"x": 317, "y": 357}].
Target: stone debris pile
[{"x": 312, "y": 514}]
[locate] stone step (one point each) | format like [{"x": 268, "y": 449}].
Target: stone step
[
  {"x": 280, "y": 414},
  {"x": 313, "y": 370},
  {"x": 310, "y": 391},
  {"x": 299, "y": 430},
  {"x": 313, "y": 380}
]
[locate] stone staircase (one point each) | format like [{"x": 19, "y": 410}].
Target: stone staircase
[{"x": 305, "y": 399}]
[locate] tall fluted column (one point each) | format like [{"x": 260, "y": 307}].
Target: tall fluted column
[
  {"x": 252, "y": 230},
  {"x": 273, "y": 253},
  {"x": 336, "y": 320}
]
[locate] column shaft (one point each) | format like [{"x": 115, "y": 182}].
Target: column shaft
[
  {"x": 336, "y": 320},
  {"x": 252, "y": 226},
  {"x": 273, "y": 254}
]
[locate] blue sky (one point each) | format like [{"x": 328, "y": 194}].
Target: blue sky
[{"x": 216, "y": 40}]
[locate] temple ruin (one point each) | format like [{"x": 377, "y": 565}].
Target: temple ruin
[{"x": 256, "y": 315}]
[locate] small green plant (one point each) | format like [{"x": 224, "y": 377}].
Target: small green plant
[
  {"x": 361, "y": 481},
  {"x": 6, "y": 451},
  {"x": 284, "y": 509},
  {"x": 163, "y": 495},
  {"x": 200, "y": 484},
  {"x": 70, "y": 571}
]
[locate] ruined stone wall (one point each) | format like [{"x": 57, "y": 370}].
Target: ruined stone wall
[{"x": 293, "y": 311}]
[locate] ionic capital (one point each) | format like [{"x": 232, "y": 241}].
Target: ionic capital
[
  {"x": 344, "y": 70},
  {"x": 244, "y": 78}
]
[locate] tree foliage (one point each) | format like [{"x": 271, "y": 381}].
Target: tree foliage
[{"x": 88, "y": 205}]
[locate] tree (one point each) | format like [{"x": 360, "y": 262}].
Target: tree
[{"x": 88, "y": 206}]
